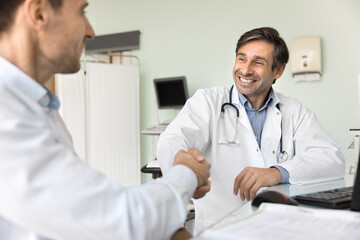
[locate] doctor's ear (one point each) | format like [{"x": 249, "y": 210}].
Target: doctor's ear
[
  {"x": 37, "y": 13},
  {"x": 278, "y": 72}
]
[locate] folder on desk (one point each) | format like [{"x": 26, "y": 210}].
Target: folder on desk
[{"x": 278, "y": 221}]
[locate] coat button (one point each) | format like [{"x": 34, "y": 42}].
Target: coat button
[{"x": 273, "y": 152}]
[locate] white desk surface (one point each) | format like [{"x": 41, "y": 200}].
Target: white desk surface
[{"x": 289, "y": 190}]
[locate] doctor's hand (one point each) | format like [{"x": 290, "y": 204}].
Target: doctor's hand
[
  {"x": 202, "y": 190},
  {"x": 251, "y": 179},
  {"x": 194, "y": 160}
]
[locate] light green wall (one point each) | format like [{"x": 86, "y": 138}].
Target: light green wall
[{"x": 196, "y": 38}]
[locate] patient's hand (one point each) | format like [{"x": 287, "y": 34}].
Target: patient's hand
[
  {"x": 194, "y": 159},
  {"x": 201, "y": 190}
]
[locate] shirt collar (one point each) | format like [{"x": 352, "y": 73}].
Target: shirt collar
[
  {"x": 245, "y": 102},
  {"x": 13, "y": 76},
  {"x": 50, "y": 100}
]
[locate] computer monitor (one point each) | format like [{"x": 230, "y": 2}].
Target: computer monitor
[{"x": 171, "y": 93}]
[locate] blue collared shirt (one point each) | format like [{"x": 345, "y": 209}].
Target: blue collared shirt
[
  {"x": 257, "y": 120},
  {"x": 256, "y": 117},
  {"x": 27, "y": 85}
]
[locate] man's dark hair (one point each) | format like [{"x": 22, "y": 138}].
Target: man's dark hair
[
  {"x": 270, "y": 35},
  {"x": 8, "y": 9}
]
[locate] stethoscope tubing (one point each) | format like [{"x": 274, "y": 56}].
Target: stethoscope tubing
[
  {"x": 282, "y": 156},
  {"x": 224, "y": 105}
]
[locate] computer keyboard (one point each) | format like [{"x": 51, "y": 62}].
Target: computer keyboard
[
  {"x": 335, "y": 198},
  {"x": 332, "y": 194}
]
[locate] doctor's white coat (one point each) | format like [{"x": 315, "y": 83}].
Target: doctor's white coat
[{"x": 313, "y": 155}]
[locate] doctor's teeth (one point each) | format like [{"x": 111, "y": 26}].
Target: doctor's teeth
[{"x": 246, "y": 80}]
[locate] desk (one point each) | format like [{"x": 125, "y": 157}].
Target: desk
[
  {"x": 287, "y": 189},
  {"x": 155, "y": 171},
  {"x": 153, "y": 166}
]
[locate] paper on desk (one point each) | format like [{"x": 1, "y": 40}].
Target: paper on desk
[{"x": 277, "y": 221}]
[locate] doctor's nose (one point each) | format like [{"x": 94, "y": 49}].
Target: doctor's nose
[{"x": 246, "y": 69}]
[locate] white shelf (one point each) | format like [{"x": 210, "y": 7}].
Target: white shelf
[{"x": 155, "y": 130}]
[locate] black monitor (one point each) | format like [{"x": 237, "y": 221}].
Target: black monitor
[{"x": 171, "y": 93}]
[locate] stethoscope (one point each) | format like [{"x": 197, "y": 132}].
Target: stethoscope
[{"x": 281, "y": 156}]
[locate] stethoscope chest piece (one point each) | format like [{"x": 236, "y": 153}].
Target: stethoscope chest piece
[{"x": 282, "y": 156}]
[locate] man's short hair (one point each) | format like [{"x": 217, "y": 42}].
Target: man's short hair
[
  {"x": 8, "y": 9},
  {"x": 270, "y": 35}
]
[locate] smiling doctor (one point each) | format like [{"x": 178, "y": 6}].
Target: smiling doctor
[{"x": 252, "y": 136}]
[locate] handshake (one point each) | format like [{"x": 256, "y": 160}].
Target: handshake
[{"x": 194, "y": 160}]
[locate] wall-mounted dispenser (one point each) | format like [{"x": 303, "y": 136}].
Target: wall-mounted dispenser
[{"x": 305, "y": 58}]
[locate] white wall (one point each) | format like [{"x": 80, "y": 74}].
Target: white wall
[{"x": 197, "y": 38}]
